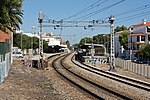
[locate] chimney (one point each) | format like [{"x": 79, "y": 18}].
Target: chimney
[{"x": 144, "y": 21}]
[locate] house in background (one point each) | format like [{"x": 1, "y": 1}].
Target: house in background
[
  {"x": 5, "y": 54},
  {"x": 51, "y": 39},
  {"x": 55, "y": 43},
  {"x": 140, "y": 35}
]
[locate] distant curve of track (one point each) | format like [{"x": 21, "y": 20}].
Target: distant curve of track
[
  {"x": 120, "y": 78},
  {"x": 81, "y": 82}
]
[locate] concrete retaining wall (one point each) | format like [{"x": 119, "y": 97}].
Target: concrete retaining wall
[{"x": 141, "y": 69}]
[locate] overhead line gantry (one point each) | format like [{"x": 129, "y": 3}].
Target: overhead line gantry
[{"x": 84, "y": 24}]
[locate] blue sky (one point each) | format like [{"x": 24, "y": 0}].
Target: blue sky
[{"x": 60, "y": 9}]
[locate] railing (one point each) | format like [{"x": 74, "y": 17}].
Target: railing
[{"x": 141, "y": 69}]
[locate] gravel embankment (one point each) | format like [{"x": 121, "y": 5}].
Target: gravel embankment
[
  {"x": 26, "y": 83},
  {"x": 130, "y": 91}
]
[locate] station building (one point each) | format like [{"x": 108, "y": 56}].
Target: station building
[{"x": 93, "y": 54}]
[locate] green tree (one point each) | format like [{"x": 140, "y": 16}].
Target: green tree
[
  {"x": 101, "y": 38},
  {"x": 68, "y": 44},
  {"x": 86, "y": 40},
  {"x": 10, "y": 14},
  {"x": 35, "y": 42},
  {"x": 120, "y": 28},
  {"x": 45, "y": 46},
  {"x": 145, "y": 50},
  {"x": 123, "y": 39},
  {"x": 26, "y": 41}
]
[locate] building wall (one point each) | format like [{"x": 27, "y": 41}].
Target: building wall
[
  {"x": 52, "y": 40},
  {"x": 118, "y": 48},
  {"x": 138, "y": 36}
]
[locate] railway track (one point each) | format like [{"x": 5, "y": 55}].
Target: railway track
[
  {"x": 83, "y": 83},
  {"x": 120, "y": 78}
]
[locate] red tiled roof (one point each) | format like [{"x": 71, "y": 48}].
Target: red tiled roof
[
  {"x": 137, "y": 34},
  {"x": 147, "y": 24},
  {"x": 62, "y": 42},
  {"x": 138, "y": 42},
  {"x": 4, "y": 36}
]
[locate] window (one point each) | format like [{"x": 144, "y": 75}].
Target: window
[
  {"x": 138, "y": 46},
  {"x": 142, "y": 38},
  {"x": 148, "y": 37},
  {"x": 148, "y": 28},
  {"x": 138, "y": 39}
]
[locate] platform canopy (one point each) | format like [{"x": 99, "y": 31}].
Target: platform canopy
[{"x": 88, "y": 46}]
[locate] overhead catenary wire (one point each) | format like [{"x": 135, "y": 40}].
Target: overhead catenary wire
[
  {"x": 137, "y": 15},
  {"x": 95, "y": 4},
  {"x": 117, "y": 19},
  {"x": 133, "y": 10},
  {"x": 98, "y": 11},
  {"x": 132, "y": 17},
  {"x": 116, "y": 15}
]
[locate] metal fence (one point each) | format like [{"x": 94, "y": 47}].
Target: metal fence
[
  {"x": 141, "y": 69},
  {"x": 4, "y": 66},
  {"x": 5, "y": 59}
]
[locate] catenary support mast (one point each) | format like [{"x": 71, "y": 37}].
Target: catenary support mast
[
  {"x": 41, "y": 14},
  {"x": 112, "y": 53}
]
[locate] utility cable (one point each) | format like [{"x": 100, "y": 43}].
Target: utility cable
[
  {"x": 87, "y": 8},
  {"x": 129, "y": 11},
  {"x": 98, "y": 11},
  {"x": 132, "y": 17},
  {"x": 134, "y": 10}
]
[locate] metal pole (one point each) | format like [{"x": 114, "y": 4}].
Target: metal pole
[
  {"x": 40, "y": 33},
  {"x": 12, "y": 45},
  {"x": 33, "y": 30},
  {"x": 112, "y": 53},
  {"x": 130, "y": 48},
  {"x": 21, "y": 41},
  {"x": 41, "y": 14}
]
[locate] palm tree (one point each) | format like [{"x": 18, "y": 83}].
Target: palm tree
[{"x": 10, "y": 14}]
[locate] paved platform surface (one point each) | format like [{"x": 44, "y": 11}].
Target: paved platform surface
[{"x": 35, "y": 57}]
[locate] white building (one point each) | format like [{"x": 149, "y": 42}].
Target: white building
[
  {"x": 139, "y": 36},
  {"x": 55, "y": 43},
  {"x": 51, "y": 39}
]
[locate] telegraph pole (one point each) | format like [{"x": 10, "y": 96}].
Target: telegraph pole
[{"x": 112, "y": 53}]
